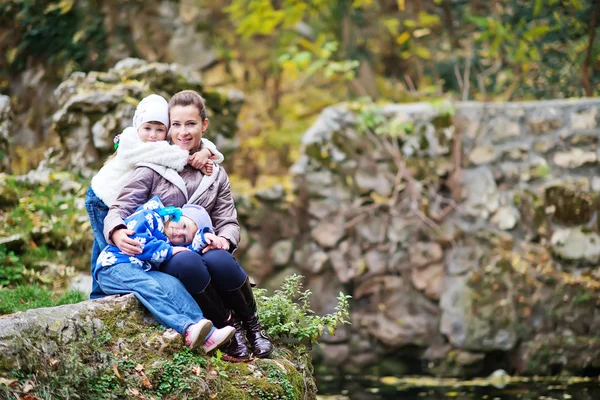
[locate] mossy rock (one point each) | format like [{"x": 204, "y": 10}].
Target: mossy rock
[
  {"x": 112, "y": 348},
  {"x": 8, "y": 193},
  {"x": 571, "y": 206},
  {"x": 559, "y": 353}
]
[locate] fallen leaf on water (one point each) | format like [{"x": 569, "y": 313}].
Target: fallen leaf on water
[{"x": 389, "y": 380}]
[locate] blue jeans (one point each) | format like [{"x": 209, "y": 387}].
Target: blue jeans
[
  {"x": 163, "y": 295},
  {"x": 97, "y": 211}
]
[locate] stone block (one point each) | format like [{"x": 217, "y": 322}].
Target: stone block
[
  {"x": 480, "y": 193},
  {"x": 573, "y": 245},
  {"x": 422, "y": 254},
  {"x": 575, "y": 158},
  {"x": 544, "y": 120},
  {"x": 503, "y": 129},
  {"x": 585, "y": 119},
  {"x": 483, "y": 155}
]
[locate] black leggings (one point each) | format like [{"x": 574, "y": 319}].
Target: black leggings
[{"x": 196, "y": 271}]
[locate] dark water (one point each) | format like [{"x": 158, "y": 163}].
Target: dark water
[{"x": 361, "y": 388}]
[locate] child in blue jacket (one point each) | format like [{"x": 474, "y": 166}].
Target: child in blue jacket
[{"x": 163, "y": 232}]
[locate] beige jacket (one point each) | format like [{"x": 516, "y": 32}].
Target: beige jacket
[{"x": 176, "y": 189}]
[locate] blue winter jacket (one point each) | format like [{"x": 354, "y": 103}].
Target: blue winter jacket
[{"x": 148, "y": 226}]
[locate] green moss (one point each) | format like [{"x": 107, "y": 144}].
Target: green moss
[
  {"x": 583, "y": 297},
  {"x": 571, "y": 206}
]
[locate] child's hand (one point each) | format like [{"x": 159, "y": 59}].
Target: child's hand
[
  {"x": 199, "y": 159},
  {"x": 179, "y": 249},
  {"x": 208, "y": 168},
  {"x": 215, "y": 242}
]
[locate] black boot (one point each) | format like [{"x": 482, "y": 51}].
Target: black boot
[
  {"x": 214, "y": 310},
  {"x": 241, "y": 301}
]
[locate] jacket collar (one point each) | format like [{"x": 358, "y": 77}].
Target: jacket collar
[
  {"x": 205, "y": 183},
  {"x": 171, "y": 175}
]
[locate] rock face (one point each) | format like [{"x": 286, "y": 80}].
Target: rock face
[
  {"x": 94, "y": 108},
  {"x": 114, "y": 345},
  {"x": 511, "y": 268}
]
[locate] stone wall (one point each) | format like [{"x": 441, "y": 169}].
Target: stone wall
[{"x": 483, "y": 254}]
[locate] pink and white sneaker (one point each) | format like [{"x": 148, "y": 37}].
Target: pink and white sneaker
[
  {"x": 197, "y": 331},
  {"x": 218, "y": 337}
]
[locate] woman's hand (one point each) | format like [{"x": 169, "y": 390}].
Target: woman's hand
[
  {"x": 127, "y": 245},
  {"x": 215, "y": 242},
  {"x": 179, "y": 249}
]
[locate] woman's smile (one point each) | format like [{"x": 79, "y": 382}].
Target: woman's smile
[{"x": 187, "y": 127}]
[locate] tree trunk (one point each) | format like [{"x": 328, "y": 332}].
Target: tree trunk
[
  {"x": 585, "y": 69},
  {"x": 449, "y": 22}
]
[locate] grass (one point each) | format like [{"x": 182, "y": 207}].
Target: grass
[{"x": 22, "y": 298}]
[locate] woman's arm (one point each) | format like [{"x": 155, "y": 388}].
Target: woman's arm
[{"x": 136, "y": 192}]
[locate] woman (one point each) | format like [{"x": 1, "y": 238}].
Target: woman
[{"x": 215, "y": 280}]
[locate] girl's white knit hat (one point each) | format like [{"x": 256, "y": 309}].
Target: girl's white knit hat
[{"x": 151, "y": 108}]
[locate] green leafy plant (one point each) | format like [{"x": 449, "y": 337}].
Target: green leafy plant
[
  {"x": 276, "y": 376},
  {"x": 287, "y": 313},
  {"x": 173, "y": 376},
  {"x": 318, "y": 58},
  {"x": 12, "y": 268},
  {"x": 218, "y": 364}
]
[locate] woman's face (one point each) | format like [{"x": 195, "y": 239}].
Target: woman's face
[{"x": 187, "y": 126}]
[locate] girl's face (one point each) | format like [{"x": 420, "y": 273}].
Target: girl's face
[
  {"x": 181, "y": 233},
  {"x": 152, "y": 132},
  {"x": 187, "y": 126}
]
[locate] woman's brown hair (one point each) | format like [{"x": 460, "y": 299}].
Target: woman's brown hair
[{"x": 189, "y": 98}]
